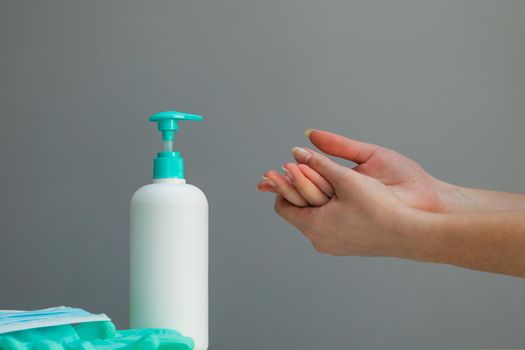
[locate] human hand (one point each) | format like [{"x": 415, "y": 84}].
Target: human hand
[
  {"x": 403, "y": 176},
  {"x": 363, "y": 217},
  {"x": 301, "y": 185},
  {"x": 372, "y": 209}
]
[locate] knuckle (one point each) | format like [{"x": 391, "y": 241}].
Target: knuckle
[{"x": 317, "y": 162}]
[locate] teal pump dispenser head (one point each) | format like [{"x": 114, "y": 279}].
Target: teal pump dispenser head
[{"x": 169, "y": 164}]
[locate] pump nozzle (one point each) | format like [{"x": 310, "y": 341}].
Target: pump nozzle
[{"x": 170, "y": 164}]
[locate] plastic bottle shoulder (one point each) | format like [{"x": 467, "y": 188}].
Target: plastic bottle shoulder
[{"x": 168, "y": 192}]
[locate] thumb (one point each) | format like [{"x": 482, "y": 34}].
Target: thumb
[
  {"x": 327, "y": 168},
  {"x": 342, "y": 147}
]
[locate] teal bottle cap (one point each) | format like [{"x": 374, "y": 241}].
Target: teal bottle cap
[{"x": 169, "y": 164}]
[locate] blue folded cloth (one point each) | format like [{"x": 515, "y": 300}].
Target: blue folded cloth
[
  {"x": 66, "y": 328},
  {"x": 19, "y": 320},
  {"x": 101, "y": 335}
]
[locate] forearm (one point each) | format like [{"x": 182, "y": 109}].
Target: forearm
[
  {"x": 491, "y": 241},
  {"x": 456, "y": 199}
]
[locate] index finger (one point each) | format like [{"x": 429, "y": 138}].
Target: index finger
[{"x": 317, "y": 179}]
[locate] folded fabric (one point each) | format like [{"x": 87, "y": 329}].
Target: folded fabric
[
  {"x": 101, "y": 335},
  {"x": 11, "y": 321}
]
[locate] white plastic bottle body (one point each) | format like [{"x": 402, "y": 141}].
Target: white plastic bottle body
[{"x": 169, "y": 259}]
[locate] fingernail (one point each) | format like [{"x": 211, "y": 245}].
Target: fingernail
[
  {"x": 301, "y": 154},
  {"x": 287, "y": 173},
  {"x": 270, "y": 182},
  {"x": 307, "y": 132}
]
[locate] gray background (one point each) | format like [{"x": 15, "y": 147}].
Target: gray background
[{"x": 441, "y": 81}]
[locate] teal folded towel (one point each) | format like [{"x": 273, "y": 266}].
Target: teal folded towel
[{"x": 100, "y": 335}]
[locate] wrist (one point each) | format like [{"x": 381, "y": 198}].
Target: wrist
[
  {"x": 420, "y": 236},
  {"x": 451, "y": 198}
]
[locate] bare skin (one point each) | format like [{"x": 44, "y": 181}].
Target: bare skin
[{"x": 388, "y": 205}]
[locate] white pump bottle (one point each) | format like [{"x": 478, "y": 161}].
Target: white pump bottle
[{"x": 169, "y": 245}]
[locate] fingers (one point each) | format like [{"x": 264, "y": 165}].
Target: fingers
[
  {"x": 340, "y": 146},
  {"x": 308, "y": 190},
  {"x": 331, "y": 171},
  {"x": 314, "y": 189},
  {"x": 283, "y": 186},
  {"x": 264, "y": 186},
  {"x": 292, "y": 214},
  {"x": 317, "y": 179}
]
